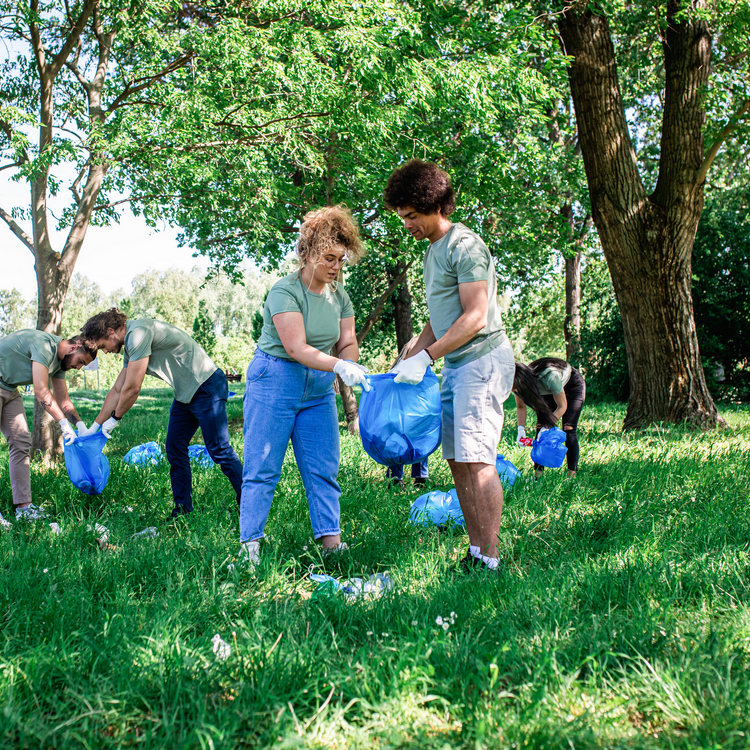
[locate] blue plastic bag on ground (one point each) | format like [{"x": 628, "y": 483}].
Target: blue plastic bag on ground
[
  {"x": 507, "y": 471},
  {"x": 437, "y": 508},
  {"x": 141, "y": 455},
  {"x": 199, "y": 454},
  {"x": 549, "y": 448},
  {"x": 400, "y": 423},
  {"x": 88, "y": 467}
]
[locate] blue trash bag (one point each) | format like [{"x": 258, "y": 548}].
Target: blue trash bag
[
  {"x": 199, "y": 454},
  {"x": 507, "y": 471},
  {"x": 437, "y": 508},
  {"x": 88, "y": 467},
  {"x": 400, "y": 423},
  {"x": 142, "y": 455},
  {"x": 549, "y": 448}
]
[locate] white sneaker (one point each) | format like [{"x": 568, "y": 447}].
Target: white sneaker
[
  {"x": 29, "y": 513},
  {"x": 249, "y": 555},
  {"x": 5, "y": 524}
]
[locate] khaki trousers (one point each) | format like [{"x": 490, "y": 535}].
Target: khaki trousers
[{"x": 13, "y": 425}]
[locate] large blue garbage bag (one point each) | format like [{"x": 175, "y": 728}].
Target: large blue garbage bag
[
  {"x": 199, "y": 454},
  {"x": 549, "y": 448},
  {"x": 437, "y": 508},
  {"x": 400, "y": 423},
  {"x": 88, "y": 467},
  {"x": 507, "y": 471},
  {"x": 142, "y": 455}
]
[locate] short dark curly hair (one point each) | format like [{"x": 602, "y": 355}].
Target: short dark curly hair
[
  {"x": 95, "y": 327},
  {"x": 422, "y": 186}
]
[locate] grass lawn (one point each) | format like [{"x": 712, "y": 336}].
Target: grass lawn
[{"x": 620, "y": 619}]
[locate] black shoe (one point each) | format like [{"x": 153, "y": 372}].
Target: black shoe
[
  {"x": 420, "y": 481},
  {"x": 397, "y": 484},
  {"x": 180, "y": 510}
]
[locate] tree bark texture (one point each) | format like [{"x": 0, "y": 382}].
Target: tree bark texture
[
  {"x": 402, "y": 310},
  {"x": 647, "y": 240}
]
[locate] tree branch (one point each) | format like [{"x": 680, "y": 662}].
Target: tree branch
[
  {"x": 72, "y": 41},
  {"x": 729, "y": 128},
  {"x": 17, "y": 230},
  {"x": 372, "y": 318}
]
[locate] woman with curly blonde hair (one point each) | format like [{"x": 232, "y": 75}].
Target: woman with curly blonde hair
[{"x": 308, "y": 337}]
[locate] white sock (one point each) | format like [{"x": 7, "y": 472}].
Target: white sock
[{"x": 490, "y": 562}]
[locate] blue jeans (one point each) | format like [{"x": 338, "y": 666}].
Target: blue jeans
[
  {"x": 207, "y": 410},
  {"x": 285, "y": 400},
  {"x": 418, "y": 471}
]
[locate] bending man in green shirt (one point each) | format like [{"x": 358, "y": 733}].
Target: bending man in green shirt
[
  {"x": 26, "y": 357},
  {"x": 200, "y": 393},
  {"x": 466, "y": 329}
]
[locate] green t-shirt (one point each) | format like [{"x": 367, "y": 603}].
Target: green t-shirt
[
  {"x": 322, "y": 314},
  {"x": 17, "y": 352},
  {"x": 553, "y": 380},
  {"x": 173, "y": 356},
  {"x": 459, "y": 257}
]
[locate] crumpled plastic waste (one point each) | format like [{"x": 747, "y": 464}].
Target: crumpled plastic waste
[
  {"x": 199, "y": 454},
  {"x": 148, "y": 533},
  {"x": 507, "y": 471},
  {"x": 353, "y": 588},
  {"x": 437, "y": 508},
  {"x": 143, "y": 455}
]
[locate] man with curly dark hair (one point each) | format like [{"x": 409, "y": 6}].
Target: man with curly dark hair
[{"x": 466, "y": 328}]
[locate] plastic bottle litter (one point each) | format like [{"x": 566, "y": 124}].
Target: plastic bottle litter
[
  {"x": 353, "y": 588},
  {"x": 102, "y": 532},
  {"x": 55, "y": 528},
  {"x": 148, "y": 533}
]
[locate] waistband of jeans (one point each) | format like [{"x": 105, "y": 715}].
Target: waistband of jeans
[{"x": 261, "y": 353}]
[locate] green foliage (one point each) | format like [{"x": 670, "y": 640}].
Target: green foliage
[
  {"x": 721, "y": 278},
  {"x": 204, "y": 330},
  {"x": 618, "y": 619},
  {"x": 15, "y": 312}
]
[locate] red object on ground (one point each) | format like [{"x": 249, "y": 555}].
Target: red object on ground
[{"x": 526, "y": 442}]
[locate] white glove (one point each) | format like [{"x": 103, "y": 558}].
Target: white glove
[
  {"x": 81, "y": 427},
  {"x": 68, "y": 433},
  {"x": 108, "y": 426},
  {"x": 412, "y": 370},
  {"x": 521, "y": 434},
  {"x": 351, "y": 373}
]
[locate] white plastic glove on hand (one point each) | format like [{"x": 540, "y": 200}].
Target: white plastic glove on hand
[
  {"x": 81, "y": 427},
  {"x": 68, "y": 433},
  {"x": 521, "y": 434},
  {"x": 108, "y": 426},
  {"x": 412, "y": 370},
  {"x": 351, "y": 373}
]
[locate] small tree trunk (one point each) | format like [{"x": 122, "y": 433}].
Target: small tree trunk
[
  {"x": 349, "y": 400},
  {"x": 572, "y": 306},
  {"x": 402, "y": 312}
]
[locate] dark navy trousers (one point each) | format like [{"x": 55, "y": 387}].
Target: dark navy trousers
[{"x": 207, "y": 410}]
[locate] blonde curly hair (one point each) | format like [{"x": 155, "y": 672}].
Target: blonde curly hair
[{"x": 327, "y": 228}]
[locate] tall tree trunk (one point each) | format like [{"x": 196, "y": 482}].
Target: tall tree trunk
[
  {"x": 647, "y": 240},
  {"x": 351, "y": 410},
  {"x": 402, "y": 310},
  {"x": 572, "y": 324}
]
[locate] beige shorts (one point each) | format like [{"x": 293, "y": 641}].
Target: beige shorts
[{"x": 473, "y": 396}]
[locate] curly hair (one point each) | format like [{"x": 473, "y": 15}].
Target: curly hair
[
  {"x": 422, "y": 186},
  {"x": 327, "y": 228},
  {"x": 96, "y": 327}
]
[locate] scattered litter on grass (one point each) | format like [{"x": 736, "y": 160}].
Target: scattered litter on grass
[
  {"x": 143, "y": 455},
  {"x": 230, "y": 567},
  {"x": 55, "y": 529},
  {"x": 148, "y": 533},
  {"x": 199, "y": 454},
  {"x": 353, "y": 588},
  {"x": 222, "y": 650},
  {"x": 128, "y": 508},
  {"x": 101, "y": 531}
]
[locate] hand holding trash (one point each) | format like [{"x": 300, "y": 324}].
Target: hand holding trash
[
  {"x": 109, "y": 425},
  {"x": 351, "y": 373},
  {"x": 521, "y": 439},
  {"x": 412, "y": 370}
]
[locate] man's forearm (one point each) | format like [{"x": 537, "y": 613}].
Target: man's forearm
[
  {"x": 426, "y": 339},
  {"x": 460, "y": 333},
  {"x": 128, "y": 396},
  {"x": 44, "y": 397},
  {"x": 110, "y": 404},
  {"x": 70, "y": 412}
]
